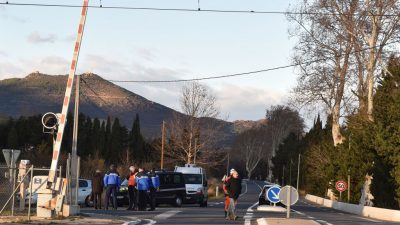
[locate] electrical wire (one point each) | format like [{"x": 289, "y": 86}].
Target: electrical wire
[
  {"x": 243, "y": 73},
  {"x": 185, "y": 9}
]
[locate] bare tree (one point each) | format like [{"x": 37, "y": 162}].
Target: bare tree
[
  {"x": 323, "y": 54},
  {"x": 281, "y": 121},
  {"x": 340, "y": 45},
  {"x": 194, "y": 134},
  {"x": 252, "y": 146},
  {"x": 379, "y": 26}
]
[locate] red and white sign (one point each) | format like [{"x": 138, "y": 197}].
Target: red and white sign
[{"x": 341, "y": 185}]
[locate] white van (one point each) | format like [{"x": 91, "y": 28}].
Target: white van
[{"x": 195, "y": 183}]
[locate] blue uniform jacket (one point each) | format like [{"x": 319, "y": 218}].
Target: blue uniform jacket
[
  {"x": 142, "y": 182},
  {"x": 112, "y": 177}
]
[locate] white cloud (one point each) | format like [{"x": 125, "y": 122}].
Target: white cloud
[
  {"x": 69, "y": 38},
  {"x": 3, "y": 53},
  {"x": 4, "y": 15},
  {"x": 9, "y": 70},
  {"x": 48, "y": 65},
  {"x": 146, "y": 54},
  {"x": 245, "y": 102},
  {"x": 35, "y": 38}
]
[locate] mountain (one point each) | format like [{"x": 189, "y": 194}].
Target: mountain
[{"x": 40, "y": 93}]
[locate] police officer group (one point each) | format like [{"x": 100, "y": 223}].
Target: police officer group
[{"x": 142, "y": 186}]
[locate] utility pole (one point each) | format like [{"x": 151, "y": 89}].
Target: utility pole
[
  {"x": 290, "y": 172},
  {"x": 74, "y": 161},
  {"x": 348, "y": 188},
  {"x": 298, "y": 173},
  {"x": 162, "y": 144},
  {"x": 227, "y": 166},
  {"x": 283, "y": 175}
]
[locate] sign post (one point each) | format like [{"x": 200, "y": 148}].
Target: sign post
[
  {"x": 11, "y": 156},
  {"x": 288, "y": 196},
  {"x": 340, "y": 187}
]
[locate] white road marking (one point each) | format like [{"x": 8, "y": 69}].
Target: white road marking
[
  {"x": 166, "y": 215},
  {"x": 136, "y": 221},
  {"x": 249, "y": 214},
  {"x": 310, "y": 217},
  {"x": 133, "y": 222},
  {"x": 245, "y": 191},
  {"x": 367, "y": 219},
  {"x": 262, "y": 221},
  {"x": 258, "y": 185},
  {"x": 300, "y": 213}
]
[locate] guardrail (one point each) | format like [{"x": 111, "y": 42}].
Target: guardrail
[{"x": 368, "y": 211}]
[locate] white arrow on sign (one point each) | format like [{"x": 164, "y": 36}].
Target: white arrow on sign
[{"x": 276, "y": 196}]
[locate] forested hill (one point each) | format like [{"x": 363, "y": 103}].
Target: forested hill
[{"x": 39, "y": 93}]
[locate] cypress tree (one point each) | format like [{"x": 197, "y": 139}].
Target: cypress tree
[
  {"x": 387, "y": 123},
  {"x": 137, "y": 144}
]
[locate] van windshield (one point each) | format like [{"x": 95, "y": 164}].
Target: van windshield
[{"x": 192, "y": 178}]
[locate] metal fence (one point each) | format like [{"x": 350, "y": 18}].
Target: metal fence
[{"x": 11, "y": 184}]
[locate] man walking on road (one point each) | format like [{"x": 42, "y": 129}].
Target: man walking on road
[
  {"x": 224, "y": 181},
  {"x": 112, "y": 183},
  {"x": 234, "y": 187}
]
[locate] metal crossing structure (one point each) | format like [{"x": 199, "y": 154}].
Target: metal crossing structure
[{"x": 67, "y": 97}]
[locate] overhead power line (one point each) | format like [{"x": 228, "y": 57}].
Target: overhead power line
[
  {"x": 243, "y": 73},
  {"x": 183, "y": 9}
]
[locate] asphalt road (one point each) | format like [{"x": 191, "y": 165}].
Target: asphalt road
[{"x": 247, "y": 211}]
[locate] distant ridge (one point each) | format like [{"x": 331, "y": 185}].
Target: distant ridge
[{"x": 39, "y": 93}]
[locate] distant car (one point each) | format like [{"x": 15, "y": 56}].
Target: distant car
[
  {"x": 84, "y": 192},
  {"x": 171, "y": 191},
  {"x": 262, "y": 197}
]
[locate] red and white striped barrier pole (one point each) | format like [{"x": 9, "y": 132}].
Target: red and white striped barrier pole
[{"x": 67, "y": 97}]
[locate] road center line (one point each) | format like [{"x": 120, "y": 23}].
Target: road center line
[
  {"x": 166, "y": 215},
  {"x": 245, "y": 191}
]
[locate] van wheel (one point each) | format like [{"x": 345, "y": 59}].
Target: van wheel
[{"x": 178, "y": 201}]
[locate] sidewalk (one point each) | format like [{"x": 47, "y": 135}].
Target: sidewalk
[
  {"x": 282, "y": 221},
  {"x": 69, "y": 220}
]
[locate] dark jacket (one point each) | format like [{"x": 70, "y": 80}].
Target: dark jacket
[
  {"x": 234, "y": 187},
  {"x": 97, "y": 183}
]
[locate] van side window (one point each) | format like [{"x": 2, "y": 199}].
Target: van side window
[{"x": 177, "y": 179}]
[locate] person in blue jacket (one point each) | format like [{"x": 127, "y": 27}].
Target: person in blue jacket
[
  {"x": 154, "y": 182},
  {"x": 111, "y": 183},
  {"x": 142, "y": 183}
]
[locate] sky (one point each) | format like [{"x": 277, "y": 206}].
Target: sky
[{"x": 159, "y": 45}]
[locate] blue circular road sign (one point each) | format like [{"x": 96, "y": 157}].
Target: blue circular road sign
[{"x": 273, "y": 194}]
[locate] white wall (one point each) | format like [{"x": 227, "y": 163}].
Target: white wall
[{"x": 372, "y": 212}]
